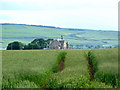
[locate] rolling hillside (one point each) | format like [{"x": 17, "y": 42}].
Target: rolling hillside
[{"x": 76, "y": 37}]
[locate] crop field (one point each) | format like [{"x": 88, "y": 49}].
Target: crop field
[
  {"x": 27, "y": 33},
  {"x": 108, "y": 60},
  {"x": 107, "y": 65},
  {"x": 27, "y": 62},
  {"x": 40, "y": 68}
]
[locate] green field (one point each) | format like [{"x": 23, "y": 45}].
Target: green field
[
  {"x": 33, "y": 69},
  {"x": 27, "y": 33}
]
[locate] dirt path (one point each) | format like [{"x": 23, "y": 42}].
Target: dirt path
[{"x": 61, "y": 66}]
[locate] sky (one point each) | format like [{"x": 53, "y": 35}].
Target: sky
[{"x": 83, "y": 14}]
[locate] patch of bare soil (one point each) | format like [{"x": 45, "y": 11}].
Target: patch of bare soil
[{"x": 61, "y": 66}]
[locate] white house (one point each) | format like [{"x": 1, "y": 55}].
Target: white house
[{"x": 58, "y": 44}]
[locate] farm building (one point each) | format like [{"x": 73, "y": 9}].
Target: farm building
[{"x": 59, "y": 44}]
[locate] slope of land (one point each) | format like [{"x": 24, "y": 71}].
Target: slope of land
[{"x": 76, "y": 37}]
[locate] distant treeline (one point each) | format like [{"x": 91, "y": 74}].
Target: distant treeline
[{"x": 35, "y": 44}]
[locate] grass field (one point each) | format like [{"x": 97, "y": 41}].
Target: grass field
[
  {"x": 107, "y": 66},
  {"x": 28, "y": 60},
  {"x": 22, "y": 63},
  {"x": 107, "y": 60},
  {"x": 27, "y": 33},
  {"x": 33, "y": 68}
]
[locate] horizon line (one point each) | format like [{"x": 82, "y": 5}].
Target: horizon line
[{"x": 56, "y": 26}]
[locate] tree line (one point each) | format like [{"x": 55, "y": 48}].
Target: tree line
[{"x": 35, "y": 44}]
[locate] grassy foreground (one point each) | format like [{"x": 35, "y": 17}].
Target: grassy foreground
[{"x": 34, "y": 69}]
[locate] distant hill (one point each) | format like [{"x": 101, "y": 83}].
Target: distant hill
[{"x": 77, "y": 38}]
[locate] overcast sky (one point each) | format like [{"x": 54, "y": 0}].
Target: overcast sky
[{"x": 85, "y": 14}]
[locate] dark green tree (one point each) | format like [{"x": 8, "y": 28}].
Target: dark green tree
[
  {"x": 36, "y": 44},
  {"x": 15, "y": 46},
  {"x": 39, "y": 43},
  {"x": 49, "y": 40},
  {"x": 31, "y": 46}
]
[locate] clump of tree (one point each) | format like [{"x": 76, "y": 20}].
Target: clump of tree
[
  {"x": 35, "y": 44},
  {"x": 38, "y": 44},
  {"x": 15, "y": 46}
]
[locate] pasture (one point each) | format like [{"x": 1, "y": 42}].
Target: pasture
[
  {"x": 27, "y": 33},
  {"x": 33, "y": 68}
]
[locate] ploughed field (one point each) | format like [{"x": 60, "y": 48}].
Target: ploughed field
[{"x": 86, "y": 68}]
